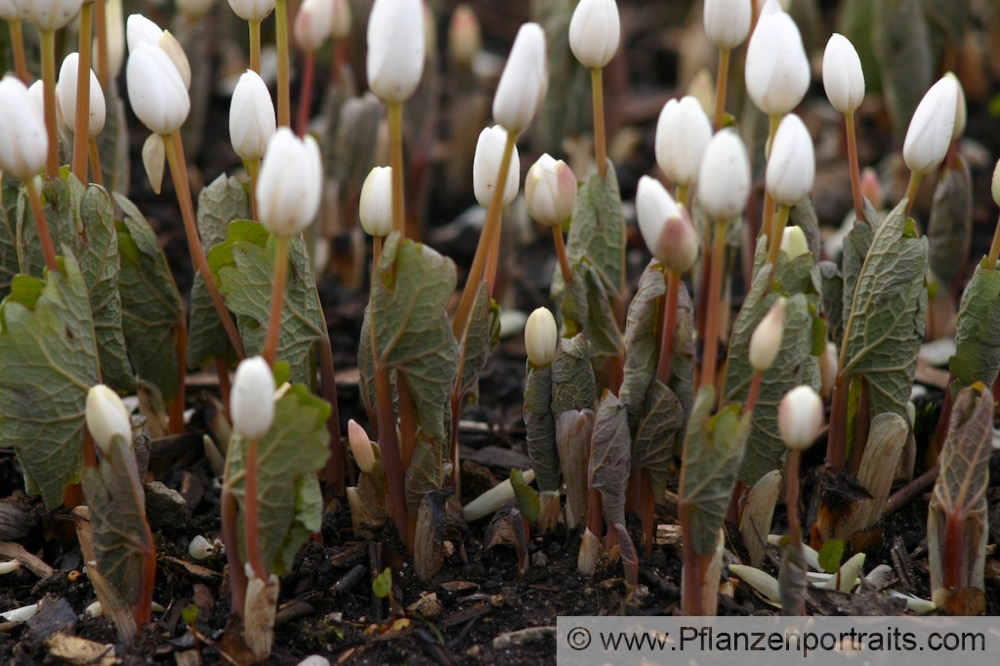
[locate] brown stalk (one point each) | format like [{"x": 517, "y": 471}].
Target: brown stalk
[
  {"x": 721, "y": 86},
  {"x": 306, "y": 92},
  {"x": 852, "y": 158},
  {"x": 17, "y": 45},
  {"x": 252, "y": 517},
  {"x": 44, "y": 238},
  {"x": 48, "y": 43},
  {"x": 711, "y": 342},
  {"x": 101, "y": 37},
  {"x": 600, "y": 142}
]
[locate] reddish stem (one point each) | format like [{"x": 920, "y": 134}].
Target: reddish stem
[
  {"x": 647, "y": 512},
  {"x": 306, "y": 92},
  {"x": 692, "y": 567},
  {"x": 44, "y": 239},
  {"x": 143, "y": 609},
  {"x": 389, "y": 445},
  {"x": 101, "y": 37},
  {"x": 835, "y": 441},
  {"x": 96, "y": 172},
  {"x": 754, "y": 392},
  {"x": 81, "y": 122},
  {"x": 671, "y": 299},
  {"x": 567, "y": 272},
  {"x": 254, "y": 555},
  {"x": 334, "y": 471},
  {"x": 954, "y": 550},
  {"x": 710, "y": 350},
  {"x": 852, "y": 158},
  {"x": 230, "y": 538},
  {"x": 222, "y": 371}
]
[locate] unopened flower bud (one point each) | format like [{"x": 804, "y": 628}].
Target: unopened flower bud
[
  {"x": 66, "y": 93},
  {"x": 931, "y": 127},
  {"x": 682, "y": 134},
  {"x": 665, "y": 226},
  {"x": 9, "y": 11},
  {"x": 793, "y": 242},
  {"x": 154, "y": 156},
  {"x": 800, "y": 418},
  {"x": 290, "y": 183},
  {"x": 48, "y": 15},
  {"x": 313, "y": 24},
  {"x": 156, "y": 90},
  {"x": 594, "y": 32},
  {"x": 340, "y": 27},
  {"x": 23, "y": 139},
  {"x": 828, "y": 368},
  {"x": 843, "y": 78},
  {"x": 175, "y": 52},
  {"x": 251, "y": 403},
  {"x": 961, "y": 112},
  {"x": 486, "y": 167},
  {"x": 465, "y": 37},
  {"x": 251, "y": 117},
  {"x": 375, "y": 209},
  {"x": 107, "y": 417},
  {"x": 194, "y": 8},
  {"x": 765, "y": 342},
  {"x": 777, "y": 69},
  {"x": 524, "y": 81},
  {"x": 541, "y": 337},
  {"x": 724, "y": 176},
  {"x": 252, "y": 10},
  {"x": 200, "y": 548},
  {"x": 791, "y": 167},
  {"x": 114, "y": 22},
  {"x": 550, "y": 191},
  {"x": 996, "y": 184},
  {"x": 871, "y": 187},
  {"x": 361, "y": 447},
  {"x": 727, "y": 22},
  {"x": 395, "y": 49}
]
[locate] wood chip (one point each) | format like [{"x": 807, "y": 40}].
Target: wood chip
[
  {"x": 15, "y": 551},
  {"x": 459, "y": 586},
  {"x": 350, "y": 555},
  {"x": 80, "y": 651},
  {"x": 466, "y": 614},
  {"x": 512, "y": 639},
  {"x": 195, "y": 570}
]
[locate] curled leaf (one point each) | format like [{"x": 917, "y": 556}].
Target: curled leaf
[{"x": 610, "y": 456}]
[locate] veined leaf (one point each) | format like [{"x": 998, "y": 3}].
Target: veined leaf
[
  {"x": 657, "y": 436},
  {"x": 9, "y": 265},
  {"x": 832, "y": 294},
  {"x": 610, "y": 451},
  {"x": 481, "y": 338},
  {"x": 949, "y": 230},
  {"x": 151, "y": 305},
  {"x": 803, "y": 215},
  {"x": 903, "y": 52},
  {"x": 585, "y": 307},
  {"x": 856, "y": 245},
  {"x": 289, "y": 500},
  {"x": 573, "y": 385},
  {"x": 885, "y": 328},
  {"x": 977, "y": 353},
  {"x": 540, "y": 427},
  {"x": 219, "y": 204},
  {"x": 244, "y": 269},
  {"x": 713, "y": 451},
  {"x": 48, "y": 362}
]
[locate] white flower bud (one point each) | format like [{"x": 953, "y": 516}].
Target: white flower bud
[
  {"x": 541, "y": 337},
  {"x": 175, "y": 51},
  {"x": 843, "y": 78},
  {"x": 107, "y": 417},
  {"x": 66, "y": 95},
  {"x": 154, "y": 156},
  {"x": 251, "y": 117},
  {"x": 961, "y": 113},
  {"x": 727, "y": 22},
  {"x": 594, "y": 32},
  {"x": 800, "y": 418},
  {"x": 37, "y": 93},
  {"x": 114, "y": 28},
  {"x": 375, "y": 209},
  {"x": 486, "y": 167},
  {"x": 49, "y": 14},
  {"x": 290, "y": 183},
  {"x": 313, "y": 24},
  {"x": 24, "y": 142},
  {"x": 465, "y": 36},
  {"x": 140, "y": 30},
  {"x": 195, "y": 8},
  {"x": 665, "y": 226},
  {"x": 252, "y": 10},
  {"x": 828, "y": 367},
  {"x": 793, "y": 242},
  {"x": 156, "y": 90},
  {"x": 524, "y": 81},
  {"x": 996, "y": 184},
  {"x": 340, "y": 26},
  {"x": 550, "y": 191},
  {"x": 251, "y": 403},
  {"x": 9, "y": 11},
  {"x": 765, "y": 342},
  {"x": 777, "y": 69},
  {"x": 682, "y": 134},
  {"x": 724, "y": 176},
  {"x": 200, "y": 548},
  {"x": 930, "y": 130},
  {"x": 396, "y": 50},
  {"x": 791, "y": 167},
  {"x": 361, "y": 447}
]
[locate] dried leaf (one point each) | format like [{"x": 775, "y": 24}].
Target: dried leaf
[
  {"x": 755, "y": 522},
  {"x": 573, "y": 434},
  {"x": 609, "y": 459},
  {"x": 949, "y": 230}
]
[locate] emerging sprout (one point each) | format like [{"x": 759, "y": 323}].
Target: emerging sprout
[
  {"x": 107, "y": 417},
  {"x": 724, "y": 177},
  {"x": 486, "y": 167},
  {"x": 23, "y": 140},
  {"x": 793, "y": 242},
  {"x": 66, "y": 91},
  {"x": 766, "y": 339},
  {"x": 524, "y": 81},
  {"x": 251, "y": 404},
  {"x": 930, "y": 130},
  {"x": 682, "y": 134},
  {"x": 541, "y": 337},
  {"x": 594, "y": 32},
  {"x": 290, "y": 183},
  {"x": 828, "y": 366},
  {"x": 395, "y": 49},
  {"x": 251, "y": 117},
  {"x": 800, "y": 417},
  {"x": 375, "y": 208},
  {"x": 777, "y": 69},
  {"x": 791, "y": 166},
  {"x": 843, "y": 78},
  {"x": 361, "y": 447},
  {"x": 550, "y": 191},
  {"x": 665, "y": 227},
  {"x": 727, "y": 22}
]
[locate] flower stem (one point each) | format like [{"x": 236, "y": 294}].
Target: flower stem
[
  {"x": 767, "y": 214},
  {"x": 101, "y": 37},
  {"x": 222, "y": 371},
  {"x": 17, "y": 45},
  {"x": 44, "y": 238},
  {"x": 143, "y": 609},
  {"x": 911, "y": 190},
  {"x": 253, "y": 170},
  {"x": 991, "y": 260},
  {"x": 647, "y": 512},
  {"x": 96, "y": 171},
  {"x": 306, "y": 92},
  {"x": 774, "y": 247},
  {"x": 178, "y": 171},
  {"x": 48, "y": 39},
  {"x": 389, "y": 444},
  {"x": 567, "y": 272},
  {"x": 754, "y": 391},
  {"x": 711, "y": 344},
  {"x": 254, "y": 45},
  {"x": 721, "y": 86},
  {"x": 664, "y": 365},
  {"x": 277, "y": 299},
  {"x": 852, "y": 158},
  {"x": 254, "y": 555},
  {"x": 81, "y": 124},
  {"x": 396, "y": 162},
  {"x": 284, "y": 87},
  {"x": 792, "y": 496},
  {"x": 600, "y": 142},
  {"x": 230, "y": 538}
]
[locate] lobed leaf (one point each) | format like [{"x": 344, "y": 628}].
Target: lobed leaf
[
  {"x": 481, "y": 338},
  {"x": 949, "y": 229},
  {"x": 540, "y": 427},
  {"x": 610, "y": 451},
  {"x": 9, "y": 264},
  {"x": 977, "y": 351},
  {"x": 573, "y": 385},
  {"x": 659, "y": 434}
]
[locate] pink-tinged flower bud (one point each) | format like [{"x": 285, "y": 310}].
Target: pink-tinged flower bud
[
  {"x": 931, "y": 127},
  {"x": 843, "y": 78},
  {"x": 800, "y": 418},
  {"x": 465, "y": 37},
  {"x": 524, "y": 81},
  {"x": 871, "y": 187},
  {"x": 343, "y": 20},
  {"x": 828, "y": 368},
  {"x": 290, "y": 183},
  {"x": 107, "y": 417},
  {"x": 375, "y": 209},
  {"x": 682, "y": 135},
  {"x": 791, "y": 167},
  {"x": 313, "y": 24},
  {"x": 251, "y": 117},
  {"x": 765, "y": 342},
  {"x": 594, "y": 32},
  {"x": 361, "y": 447},
  {"x": 665, "y": 227},
  {"x": 24, "y": 141},
  {"x": 251, "y": 403},
  {"x": 793, "y": 242},
  {"x": 550, "y": 191},
  {"x": 395, "y": 49},
  {"x": 541, "y": 337},
  {"x": 777, "y": 69},
  {"x": 486, "y": 167},
  {"x": 727, "y": 22},
  {"x": 724, "y": 176},
  {"x": 66, "y": 96},
  {"x": 156, "y": 90},
  {"x": 47, "y": 15},
  {"x": 252, "y": 10}
]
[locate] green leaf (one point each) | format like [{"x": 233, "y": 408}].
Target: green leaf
[
  {"x": 244, "y": 269},
  {"x": 540, "y": 427},
  {"x": 118, "y": 516},
  {"x": 713, "y": 451},
  {"x": 656, "y": 439},
  {"x": 219, "y": 204},
  {"x": 803, "y": 215},
  {"x": 856, "y": 245},
  {"x": 831, "y": 554},
  {"x": 573, "y": 385},
  {"x": 289, "y": 500},
  {"x": 9, "y": 265},
  {"x": 977, "y": 352},
  {"x": 885, "y": 328},
  {"x": 586, "y": 307},
  {"x": 611, "y": 447},
  {"x": 481, "y": 338},
  {"x": 152, "y": 308},
  {"x": 527, "y": 499},
  {"x": 48, "y": 362},
  {"x": 902, "y": 49},
  {"x": 382, "y": 585},
  {"x": 949, "y": 230},
  {"x": 832, "y": 294}
]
